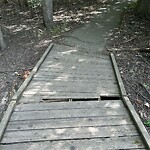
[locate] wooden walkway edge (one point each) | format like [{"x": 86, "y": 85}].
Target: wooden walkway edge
[{"x": 130, "y": 107}]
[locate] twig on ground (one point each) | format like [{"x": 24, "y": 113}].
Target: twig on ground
[
  {"x": 147, "y": 50},
  {"x": 144, "y": 88},
  {"x": 2, "y": 72},
  {"x": 129, "y": 40},
  {"x": 137, "y": 92},
  {"x": 144, "y": 60}
]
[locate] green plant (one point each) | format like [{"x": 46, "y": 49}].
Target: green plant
[
  {"x": 35, "y": 3},
  {"x": 56, "y": 30},
  {"x": 147, "y": 123}
]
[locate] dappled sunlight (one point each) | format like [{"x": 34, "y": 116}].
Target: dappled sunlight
[
  {"x": 62, "y": 78},
  {"x": 113, "y": 131},
  {"x": 56, "y": 65},
  {"x": 43, "y": 43},
  {"x": 123, "y": 122},
  {"x": 81, "y": 15},
  {"x": 68, "y": 52},
  {"x": 16, "y": 28},
  {"x": 112, "y": 105},
  {"x": 104, "y": 92},
  {"x": 75, "y": 130},
  {"x": 96, "y": 12},
  {"x": 60, "y": 131},
  {"x": 81, "y": 60},
  {"x": 93, "y": 130}
]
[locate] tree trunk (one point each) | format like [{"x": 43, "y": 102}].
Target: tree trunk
[
  {"x": 143, "y": 8},
  {"x": 2, "y": 43},
  {"x": 48, "y": 13}
]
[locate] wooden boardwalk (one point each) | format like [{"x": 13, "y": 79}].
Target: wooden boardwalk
[
  {"x": 73, "y": 102},
  {"x": 69, "y": 73}
]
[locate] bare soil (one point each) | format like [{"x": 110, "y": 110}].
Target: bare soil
[{"x": 27, "y": 39}]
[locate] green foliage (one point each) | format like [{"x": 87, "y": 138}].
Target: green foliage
[
  {"x": 56, "y": 30},
  {"x": 35, "y": 3},
  {"x": 146, "y": 86},
  {"x": 133, "y": 4},
  {"x": 59, "y": 28},
  {"x": 147, "y": 123}
]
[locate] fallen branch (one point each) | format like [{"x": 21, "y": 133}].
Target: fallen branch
[
  {"x": 147, "y": 62},
  {"x": 129, "y": 40},
  {"x": 131, "y": 49},
  {"x": 2, "y": 72}
]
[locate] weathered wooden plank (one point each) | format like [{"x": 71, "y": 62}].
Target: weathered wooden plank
[
  {"x": 115, "y": 104},
  {"x": 69, "y": 77},
  {"x": 42, "y": 98},
  {"x": 39, "y": 98},
  {"x": 109, "y": 79},
  {"x": 63, "y": 95},
  {"x": 73, "y": 88},
  {"x": 72, "y": 83},
  {"x": 68, "y": 113},
  {"x": 92, "y": 144},
  {"x": 100, "y": 74},
  {"x": 73, "y": 64},
  {"x": 67, "y": 123},
  {"x": 69, "y": 133},
  {"x": 54, "y": 90},
  {"x": 72, "y": 94},
  {"x": 78, "y": 63},
  {"x": 49, "y": 86},
  {"x": 55, "y": 85},
  {"x": 73, "y": 79},
  {"x": 73, "y": 70}
]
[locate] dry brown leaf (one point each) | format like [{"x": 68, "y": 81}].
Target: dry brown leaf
[{"x": 26, "y": 74}]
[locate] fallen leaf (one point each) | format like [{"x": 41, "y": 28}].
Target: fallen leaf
[
  {"x": 147, "y": 105},
  {"x": 26, "y": 74}
]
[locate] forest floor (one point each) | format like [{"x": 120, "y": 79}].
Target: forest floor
[{"x": 27, "y": 39}]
